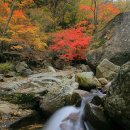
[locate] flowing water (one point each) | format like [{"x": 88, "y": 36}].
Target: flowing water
[{"x": 68, "y": 118}]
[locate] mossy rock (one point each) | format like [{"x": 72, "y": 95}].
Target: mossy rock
[
  {"x": 87, "y": 81},
  {"x": 5, "y": 67},
  {"x": 24, "y": 99},
  {"x": 117, "y": 102}
]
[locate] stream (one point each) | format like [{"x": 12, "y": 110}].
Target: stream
[{"x": 29, "y": 100}]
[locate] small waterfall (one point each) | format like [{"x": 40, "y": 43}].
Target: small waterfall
[{"x": 68, "y": 118}]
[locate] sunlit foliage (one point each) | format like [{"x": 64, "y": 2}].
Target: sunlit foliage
[
  {"x": 71, "y": 44},
  {"x": 20, "y": 29}
]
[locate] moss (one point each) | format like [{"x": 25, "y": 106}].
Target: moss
[
  {"x": 24, "y": 99},
  {"x": 106, "y": 33},
  {"x": 5, "y": 67},
  {"x": 98, "y": 42}
]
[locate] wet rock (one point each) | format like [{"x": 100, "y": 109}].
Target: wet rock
[
  {"x": 97, "y": 100},
  {"x": 78, "y": 95},
  {"x": 87, "y": 81},
  {"x": 105, "y": 89},
  {"x": 117, "y": 103},
  {"x": 107, "y": 69},
  {"x": 81, "y": 93},
  {"x": 98, "y": 93},
  {"x": 96, "y": 117}
]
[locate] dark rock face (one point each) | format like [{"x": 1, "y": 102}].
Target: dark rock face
[
  {"x": 117, "y": 103},
  {"x": 95, "y": 115},
  {"x": 113, "y": 42}
]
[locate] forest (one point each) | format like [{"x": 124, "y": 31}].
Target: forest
[
  {"x": 67, "y": 55},
  {"x": 63, "y": 27}
]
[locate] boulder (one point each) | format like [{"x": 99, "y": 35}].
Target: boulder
[
  {"x": 26, "y": 72},
  {"x": 117, "y": 102},
  {"x": 52, "y": 90},
  {"x": 21, "y": 66},
  {"x": 87, "y": 80},
  {"x": 51, "y": 69},
  {"x": 10, "y": 74},
  {"x": 96, "y": 117},
  {"x": 103, "y": 81},
  {"x": 58, "y": 96},
  {"x": 23, "y": 69},
  {"x": 107, "y": 69},
  {"x": 105, "y": 89},
  {"x": 97, "y": 100},
  {"x": 78, "y": 95},
  {"x": 10, "y": 113},
  {"x": 94, "y": 96},
  {"x": 112, "y": 42},
  {"x": 85, "y": 68}
]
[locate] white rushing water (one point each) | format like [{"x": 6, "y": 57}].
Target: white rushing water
[{"x": 68, "y": 118}]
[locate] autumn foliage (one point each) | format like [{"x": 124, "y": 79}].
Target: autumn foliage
[
  {"x": 71, "y": 44},
  {"x": 76, "y": 28},
  {"x": 105, "y": 12},
  {"x": 20, "y": 29}
]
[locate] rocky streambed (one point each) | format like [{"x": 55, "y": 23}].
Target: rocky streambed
[
  {"x": 28, "y": 100},
  {"x": 27, "y": 103}
]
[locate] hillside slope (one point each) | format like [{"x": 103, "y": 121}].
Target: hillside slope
[{"x": 113, "y": 42}]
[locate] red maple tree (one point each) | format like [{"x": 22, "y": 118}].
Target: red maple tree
[{"x": 71, "y": 44}]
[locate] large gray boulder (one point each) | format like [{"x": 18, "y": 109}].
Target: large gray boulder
[
  {"x": 95, "y": 116},
  {"x": 113, "y": 42},
  {"x": 107, "y": 70},
  {"x": 117, "y": 103},
  {"x": 58, "y": 96},
  {"x": 52, "y": 89},
  {"x": 23, "y": 69}
]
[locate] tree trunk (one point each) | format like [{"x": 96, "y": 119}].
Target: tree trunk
[
  {"x": 95, "y": 13},
  {"x": 10, "y": 16},
  {"x": 7, "y": 24}
]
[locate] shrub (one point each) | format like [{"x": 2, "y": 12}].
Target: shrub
[
  {"x": 5, "y": 67},
  {"x": 71, "y": 44}
]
